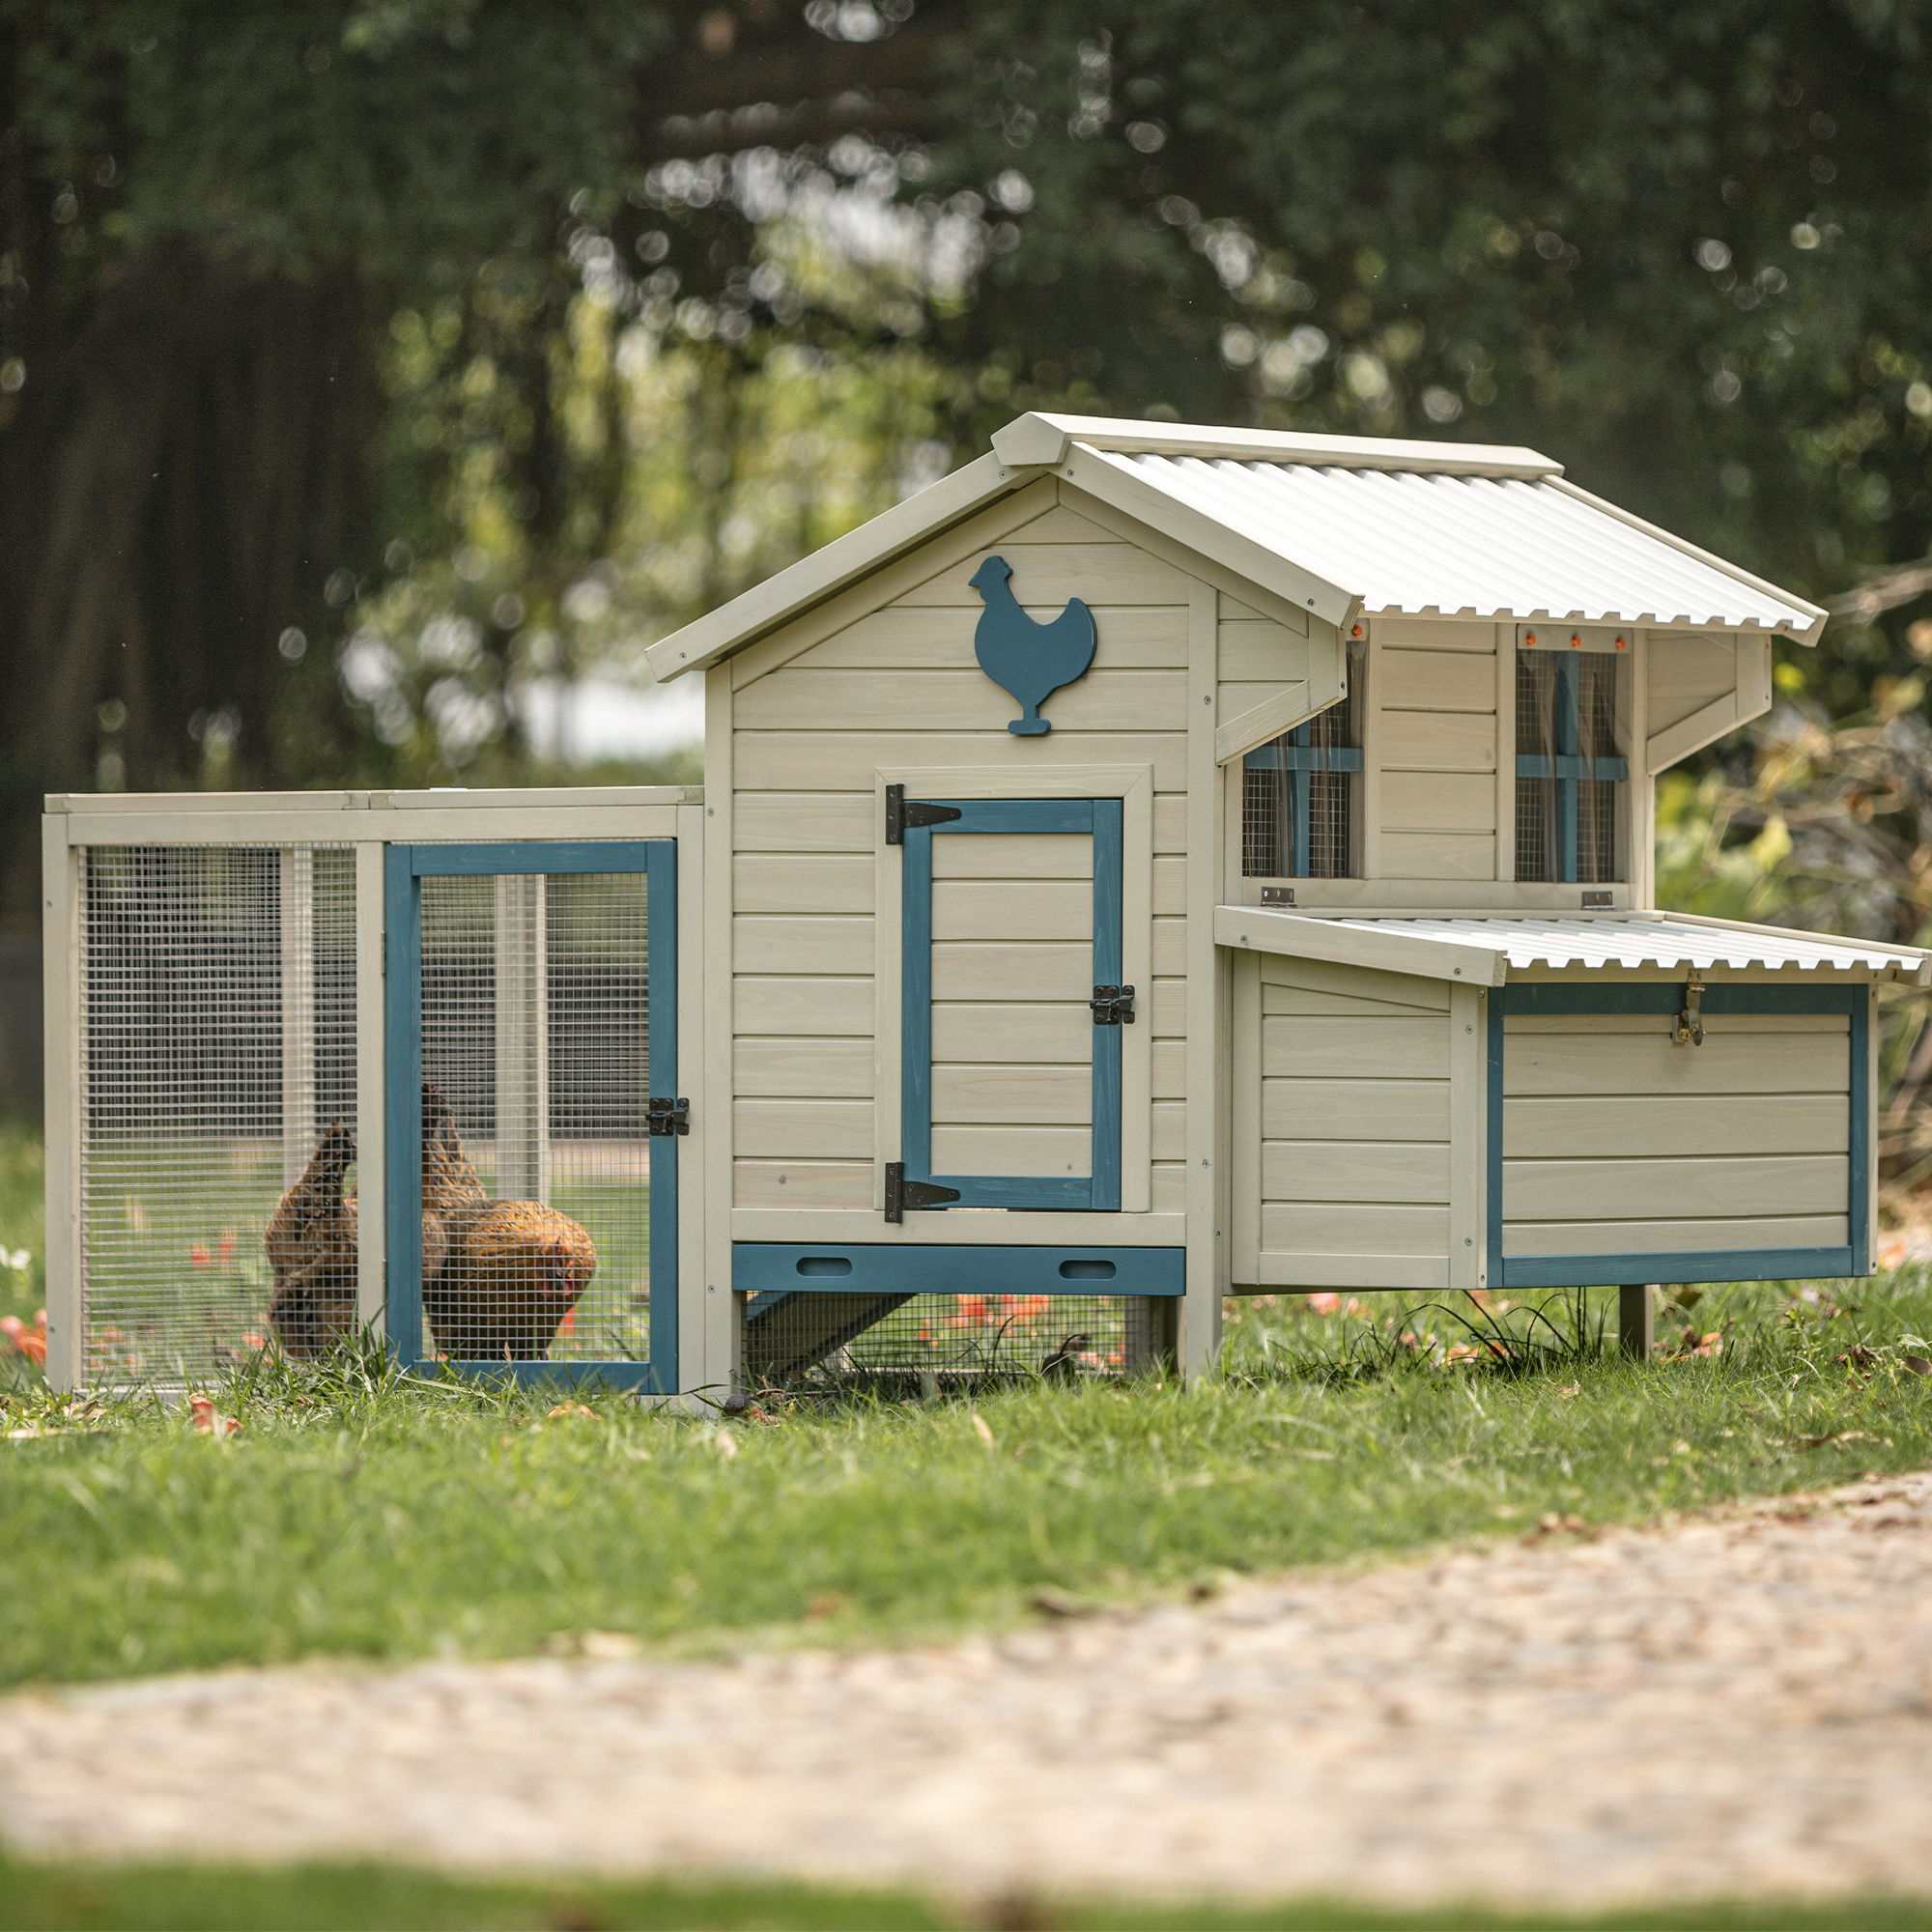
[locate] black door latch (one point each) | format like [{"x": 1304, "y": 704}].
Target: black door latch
[
  {"x": 1113, "y": 1005},
  {"x": 667, "y": 1115},
  {"x": 902, "y": 812},
  {"x": 901, "y": 1193}
]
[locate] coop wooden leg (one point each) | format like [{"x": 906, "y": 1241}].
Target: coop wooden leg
[{"x": 1636, "y": 1319}]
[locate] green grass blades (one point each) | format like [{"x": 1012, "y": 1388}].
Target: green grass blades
[
  {"x": 348, "y": 1898},
  {"x": 358, "y": 1514}
]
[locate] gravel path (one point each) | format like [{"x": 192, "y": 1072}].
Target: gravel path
[{"x": 1738, "y": 1705}]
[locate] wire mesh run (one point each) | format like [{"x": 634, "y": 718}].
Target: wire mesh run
[
  {"x": 1298, "y": 800},
  {"x": 916, "y": 1342},
  {"x": 536, "y": 1151},
  {"x": 218, "y": 1027}
]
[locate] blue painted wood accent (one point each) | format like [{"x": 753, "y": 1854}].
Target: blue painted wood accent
[
  {"x": 774, "y": 1268},
  {"x": 1028, "y": 659},
  {"x": 583, "y": 855},
  {"x": 404, "y": 867},
  {"x": 402, "y": 1106},
  {"x": 1103, "y": 820},
  {"x": 1717, "y": 1265}
]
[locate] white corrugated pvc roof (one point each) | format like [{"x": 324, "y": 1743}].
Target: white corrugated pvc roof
[
  {"x": 1433, "y": 542},
  {"x": 1651, "y": 941}
]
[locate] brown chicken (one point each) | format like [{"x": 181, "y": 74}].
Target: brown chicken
[
  {"x": 311, "y": 1241},
  {"x": 516, "y": 1268}
]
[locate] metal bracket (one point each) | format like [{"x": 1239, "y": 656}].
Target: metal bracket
[
  {"x": 901, "y": 1193},
  {"x": 1689, "y": 1027},
  {"x": 900, "y": 813},
  {"x": 666, "y": 1116},
  {"x": 1113, "y": 1005}
]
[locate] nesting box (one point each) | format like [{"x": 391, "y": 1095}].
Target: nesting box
[{"x": 1152, "y": 864}]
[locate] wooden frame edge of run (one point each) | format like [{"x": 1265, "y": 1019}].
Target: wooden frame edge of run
[{"x": 61, "y": 1017}]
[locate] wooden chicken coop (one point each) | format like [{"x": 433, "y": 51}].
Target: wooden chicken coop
[{"x": 1153, "y": 862}]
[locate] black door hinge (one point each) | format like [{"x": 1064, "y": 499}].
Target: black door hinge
[
  {"x": 901, "y": 1193},
  {"x": 1113, "y": 1005},
  {"x": 667, "y": 1115},
  {"x": 902, "y": 814}
]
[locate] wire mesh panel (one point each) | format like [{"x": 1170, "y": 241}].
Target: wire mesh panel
[
  {"x": 1298, "y": 799},
  {"x": 817, "y": 1339},
  {"x": 216, "y": 1004},
  {"x": 1569, "y": 766},
  {"x": 536, "y": 1168}
]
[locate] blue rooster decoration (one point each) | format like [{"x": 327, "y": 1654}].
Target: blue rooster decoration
[{"x": 1026, "y": 658}]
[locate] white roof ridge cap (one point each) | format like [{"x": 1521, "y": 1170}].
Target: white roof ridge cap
[{"x": 1043, "y": 437}]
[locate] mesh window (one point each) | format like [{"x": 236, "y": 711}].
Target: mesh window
[
  {"x": 1295, "y": 776},
  {"x": 1566, "y": 710},
  {"x": 923, "y": 1342},
  {"x": 218, "y": 1019},
  {"x": 536, "y": 1151}
]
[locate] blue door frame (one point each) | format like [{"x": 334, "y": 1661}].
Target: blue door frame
[
  {"x": 405, "y": 866},
  {"x": 1665, "y": 1001},
  {"x": 1099, "y": 818}
]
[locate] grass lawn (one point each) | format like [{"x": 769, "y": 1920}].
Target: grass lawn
[{"x": 348, "y": 1898}]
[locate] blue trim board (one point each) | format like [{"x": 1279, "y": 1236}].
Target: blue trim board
[
  {"x": 1103, "y": 821},
  {"x": 1663, "y": 999},
  {"x": 903, "y": 1267},
  {"x": 404, "y": 867}
]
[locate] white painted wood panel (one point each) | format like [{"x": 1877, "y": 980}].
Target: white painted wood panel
[
  {"x": 1008, "y": 910},
  {"x": 1170, "y": 822},
  {"x": 1686, "y": 674},
  {"x": 954, "y": 700},
  {"x": 1056, "y": 1032},
  {"x": 1687, "y": 1188},
  {"x": 800, "y": 944},
  {"x": 801, "y": 1183},
  {"x": 1060, "y": 970},
  {"x": 1435, "y": 633},
  {"x": 1169, "y": 948},
  {"x": 1254, "y": 651},
  {"x": 1432, "y": 741},
  {"x": 1028, "y": 855},
  {"x": 801, "y": 882},
  {"x": 1009, "y": 1149},
  {"x": 804, "y": 821},
  {"x": 1169, "y": 1195},
  {"x": 1169, "y": 1137},
  {"x": 1676, "y": 1125},
  {"x": 980, "y": 1094},
  {"x": 1438, "y": 855},
  {"x": 902, "y": 639},
  {"x": 1370, "y": 986},
  {"x": 842, "y": 760},
  {"x": 1356, "y": 1110},
  {"x": 1305, "y": 1002},
  {"x": 1661, "y": 1238},
  {"x": 1164, "y": 1012},
  {"x": 1402, "y": 1172},
  {"x": 1734, "y": 1064},
  {"x": 1355, "y": 1049},
  {"x": 803, "y": 1068},
  {"x": 1411, "y": 680},
  {"x": 1046, "y": 575},
  {"x": 804, "y": 1130},
  {"x": 1170, "y": 1070},
  {"x": 1342, "y": 1227},
  {"x": 819, "y": 1006},
  {"x": 1437, "y": 802}
]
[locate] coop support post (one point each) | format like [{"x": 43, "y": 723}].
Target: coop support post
[
  {"x": 297, "y": 931},
  {"x": 371, "y": 1077},
  {"x": 1636, "y": 1319},
  {"x": 523, "y": 1040},
  {"x": 66, "y": 1072}
]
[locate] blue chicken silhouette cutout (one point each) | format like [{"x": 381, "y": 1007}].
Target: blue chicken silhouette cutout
[{"x": 1025, "y": 658}]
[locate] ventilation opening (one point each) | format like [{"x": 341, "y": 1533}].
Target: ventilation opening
[
  {"x": 824, "y": 1265},
  {"x": 1087, "y": 1270}
]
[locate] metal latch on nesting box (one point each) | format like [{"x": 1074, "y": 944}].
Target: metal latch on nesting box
[
  {"x": 1689, "y": 1027},
  {"x": 901, "y": 1193},
  {"x": 904, "y": 813},
  {"x": 665, "y": 1116},
  {"x": 1113, "y": 1005}
]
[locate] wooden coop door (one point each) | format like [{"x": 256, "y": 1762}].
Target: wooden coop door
[
  {"x": 532, "y": 1113},
  {"x": 1012, "y": 1004}
]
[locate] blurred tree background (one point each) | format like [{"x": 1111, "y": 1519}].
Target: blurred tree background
[{"x": 375, "y": 372}]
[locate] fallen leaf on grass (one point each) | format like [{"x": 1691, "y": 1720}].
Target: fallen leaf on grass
[
  {"x": 826, "y": 1603},
  {"x": 1916, "y": 1364},
  {"x": 570, "y": 1408},
  {"x": 1836, "y": 1436},
  {"x": 208, "y": 1422},
  {"x": 980, "y": 1430},
  {"x": 1568, "y": 1389},
  {"x": 597, "y": 1646},
  {"x": 1058, "y": 1604},
  {"x": 1551, "y": 1525},
  {"x": 726, "y": 1444}
]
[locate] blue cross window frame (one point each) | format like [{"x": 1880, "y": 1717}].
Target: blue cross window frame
[
  {"x": 1569, "y": 763},
  {"x": 1298, "y": 758},
  {"x": 404, "y": 867},
  {"x": 1101, "y": 820}
]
